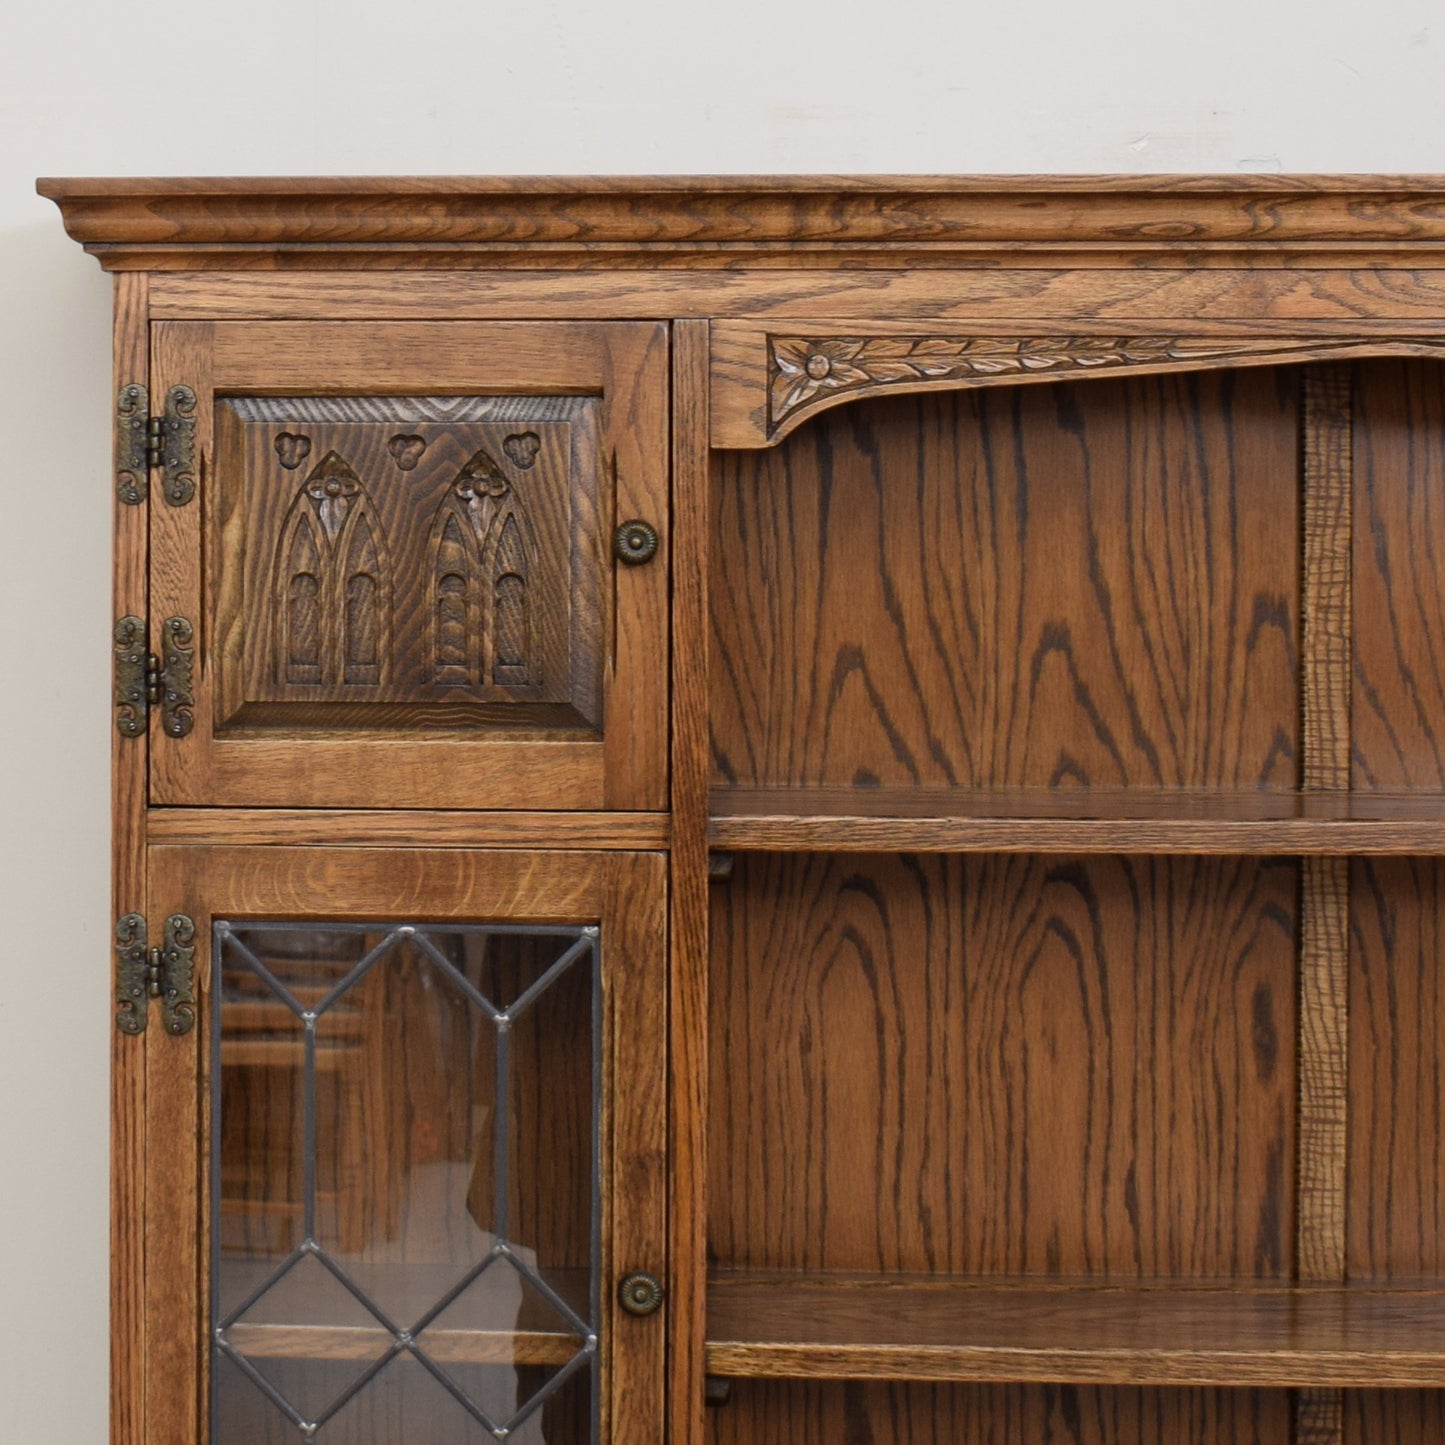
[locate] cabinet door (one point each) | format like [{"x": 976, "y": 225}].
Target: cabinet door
[
  {"x": 429, "y": 1086},
  {"x": 396, "y": 577}
]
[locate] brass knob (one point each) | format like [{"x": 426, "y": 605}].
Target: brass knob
[
  {"x": 640, "y": 1294},
  {"x": 635, "y": 542}
]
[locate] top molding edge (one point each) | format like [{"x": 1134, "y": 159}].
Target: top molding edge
[{"x": 685, "y": 220}]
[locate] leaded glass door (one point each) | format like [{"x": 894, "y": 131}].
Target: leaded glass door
[
  {"x": 406, "y": 1215},
  {"x": 399, "y": 571}
]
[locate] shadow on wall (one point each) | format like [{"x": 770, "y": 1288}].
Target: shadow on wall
[
  {"x": 54, "y": 803},
  {"x": 55, "y": 373}
]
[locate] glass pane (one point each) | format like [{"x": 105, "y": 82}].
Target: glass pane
[{"x": 406, "y": 1184}]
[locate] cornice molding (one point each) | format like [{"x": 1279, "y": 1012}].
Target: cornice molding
[{"x": 752, "y": 220}]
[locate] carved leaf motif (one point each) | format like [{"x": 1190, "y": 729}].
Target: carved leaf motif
[{"x": 805, "y": 372}]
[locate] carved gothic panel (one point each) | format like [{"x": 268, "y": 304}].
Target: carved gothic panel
[{"x": 405, "y": 553}]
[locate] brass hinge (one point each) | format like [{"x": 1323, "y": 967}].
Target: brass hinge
[
  {"x": 166, "y": 973},
  {"x": 144, "y": 680},
  {"x": 143, "y": 442}
]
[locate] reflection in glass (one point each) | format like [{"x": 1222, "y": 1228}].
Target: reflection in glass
[{"x": 405, "y": 1184}]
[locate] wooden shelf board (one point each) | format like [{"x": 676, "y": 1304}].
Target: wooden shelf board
[
  {"x": 1076, "y": 820},
  {"x": 1173, "y": 1333},
  {"x": 468, "y": 1347}
]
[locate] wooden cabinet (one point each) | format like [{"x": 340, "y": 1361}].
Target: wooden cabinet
[{"x": 767, "y": 812}]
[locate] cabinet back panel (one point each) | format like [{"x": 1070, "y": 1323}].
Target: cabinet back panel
[
  {"x": 1395, "y": 1219},
  {"x": 1004, "y": 1065},
  {"x": 1089, "y": 584},
  {"x": 1398, "y": 712},
  {"x": 785, "y": 1412},
  {"x": 1394, "y": 1417}
]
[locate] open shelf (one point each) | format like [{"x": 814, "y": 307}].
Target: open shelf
[
  {"x": 1075, "y": 820},
  {"x": 1170, "y": 1333}
]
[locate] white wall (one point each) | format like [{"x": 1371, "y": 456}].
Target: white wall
[{"x": 309, "y": 86}]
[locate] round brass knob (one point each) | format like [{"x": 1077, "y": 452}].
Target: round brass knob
[
  {"x": 640, "y": 1294},
  {"x": 635, "y": 542}
]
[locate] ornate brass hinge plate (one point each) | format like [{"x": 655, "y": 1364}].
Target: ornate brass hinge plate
[
  {"x": 132, "y": 444},
  {"x": 132, "y": 678},
  {"x": 172, "y": 445},
  {"x": 166, "y": 973},
  {"x": 174, "y": 679},
  {"x": 144, "y": 680},
  {"x": 143, "y": 441}
]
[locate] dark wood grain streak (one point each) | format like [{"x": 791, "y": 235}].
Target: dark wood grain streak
[
  {"x": 688, "y": 1004},
  {"x": 775, "y": 1412},
  {"x": 1399, "y": 577},
  {"x": 1014, "y": 1066},
  {"x": 1396, "y": 1205},
  {"x": 1393, "y": 1417},
  {"x": 1069, "y": 586},
  {"x": 128, "y": 1355}
]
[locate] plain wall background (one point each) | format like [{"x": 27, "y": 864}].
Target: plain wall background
[{"x": 475, "y": 86}]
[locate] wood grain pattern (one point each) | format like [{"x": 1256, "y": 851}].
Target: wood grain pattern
[
  {"x": 767, "y": 382},
  {"x": 1282, "y": 301},
  {"x": 1396, "y": 1204},
  {"x": 774, "y": 1412},
  {"x": 1327, "y": 486},
  {"x": 716, "y": 220},
  {"x": 1073, "y": 586},
  {"x": 1319, "y": 1417},
  {"x": 407, "y": 828},
  {"x": 1324, "y": 1068},
  {"x": 688, "y": 1003},
  {"x": 1014, "y": 1066},
  {"x": 1074, "y": 1334},
  {"x": 128, "y": 758},
  {"x": 461, "y": 578},
  {"x": 1087, "y": 820},
  {"x": 1393, "y": 1417},
  {"x": 1398, "y": 722}
]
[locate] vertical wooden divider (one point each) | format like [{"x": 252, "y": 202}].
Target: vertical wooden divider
[
  {"x": 128, "y": 895},
  {"x": 1324, "y": 904},
  {"x": 689, "y": 937}
]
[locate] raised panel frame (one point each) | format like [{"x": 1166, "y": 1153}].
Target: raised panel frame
[
  {"x": 625, "y": 364},
  {"x": 624, "y": 893}
]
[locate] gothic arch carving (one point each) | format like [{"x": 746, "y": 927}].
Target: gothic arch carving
[
  {"x": 333, "y": 584},
  {"x": 484, "y": 558}
]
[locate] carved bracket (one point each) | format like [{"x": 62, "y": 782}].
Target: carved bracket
[{"x": 766, "y": 384}]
